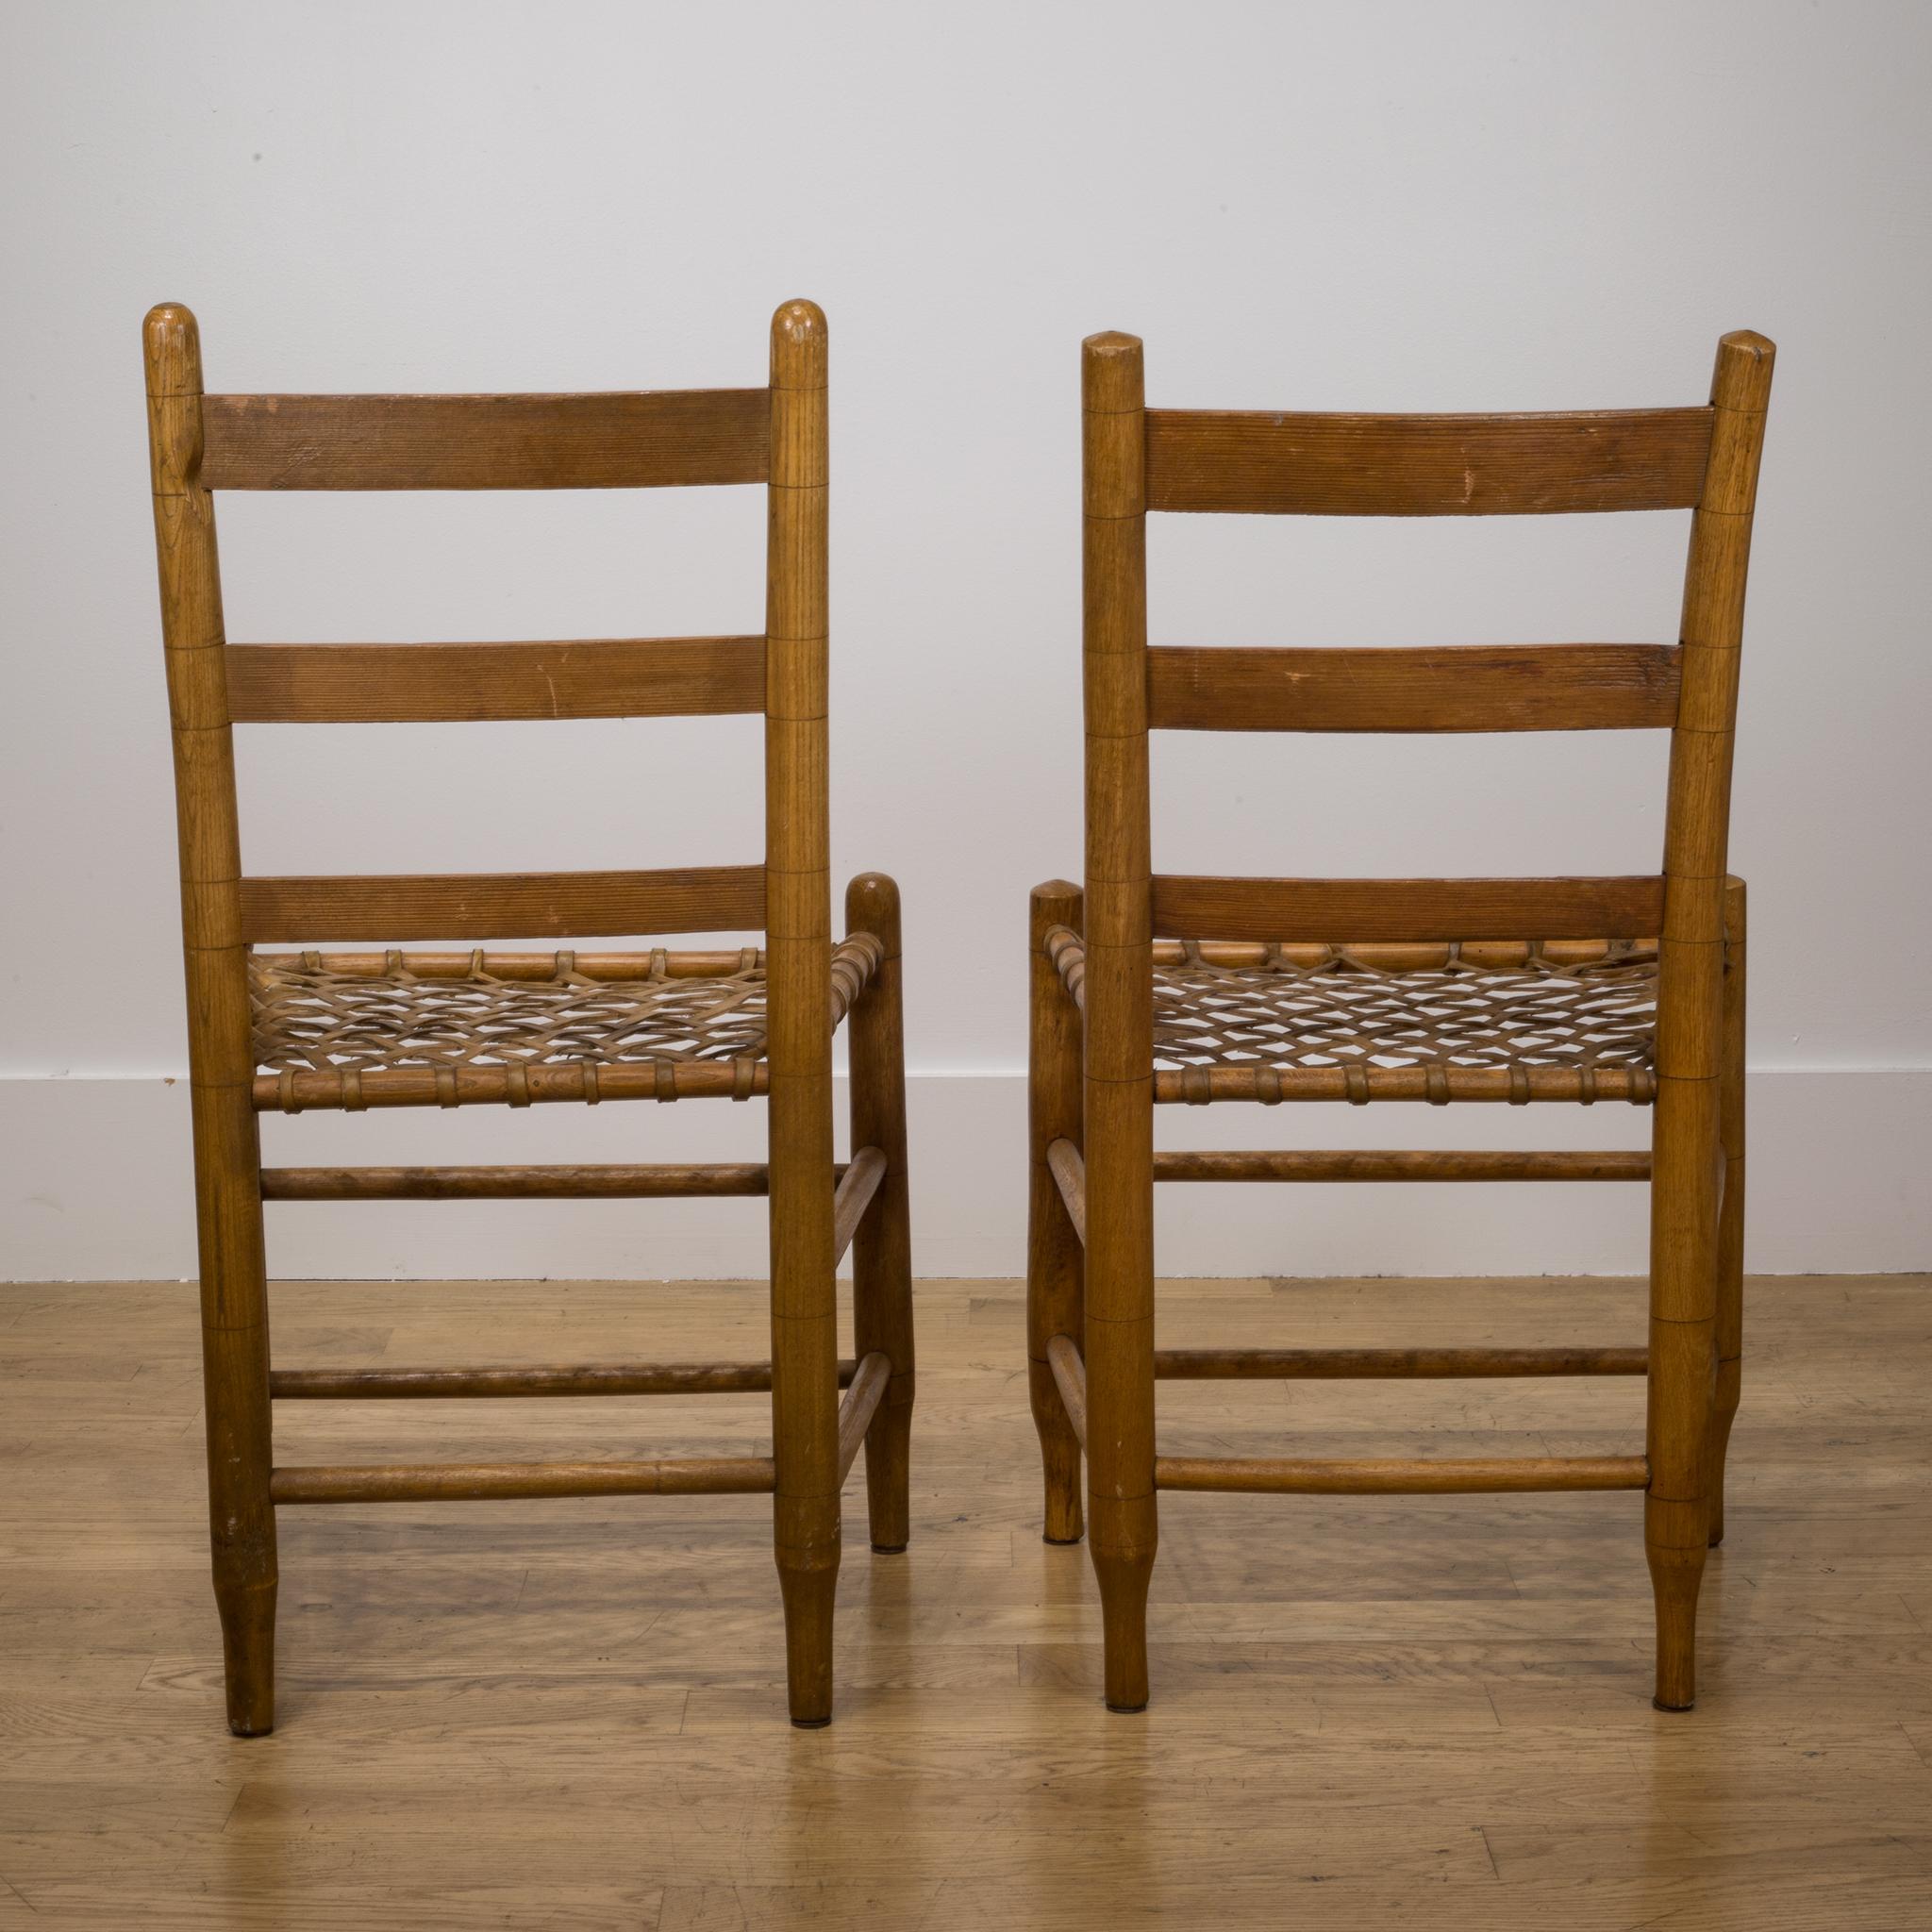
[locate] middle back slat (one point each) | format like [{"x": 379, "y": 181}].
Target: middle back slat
[
  {"x": 1448, "y": 688},
  {"x": 588, "y": 677},
  {"x": 1284, "y": 463}
]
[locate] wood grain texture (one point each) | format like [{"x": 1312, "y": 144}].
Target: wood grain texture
[
  {"x": 494, "y": 1482},
  {"x": 1190, "y": 907},
  {"x": 600, "y": 1181},
  {"x": 556, "y": 905},
  {"x": 1450, "y": 688},
  {"x": 1056, "y": 1250},
  {"x": 1284, "y": 463},
  {"x": 1421, "y": 1164},
  {"x": 1428, "y": 1709},
  {"x": 1399, "y": 1476},
  {"x": 598, "y": 1379},
  {"x": 1070, "y": 1175},
  {"x": 637, "y": 441},
  {"x": 228, "y": 1152},
  {"x": 1377, "y": 1364},
  {"x": 589, "y": 677}
]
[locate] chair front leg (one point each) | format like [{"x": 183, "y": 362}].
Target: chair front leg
[
  {"x": 882, "y": 1247},
  {"x": 1731, "y": 1226},
  {"x": 1056, "y": 1262},
  {"x": 235, "y": 1361}
]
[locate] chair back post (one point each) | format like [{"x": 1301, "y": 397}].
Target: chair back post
[
  {"x": 1120, "y": 1006},
  {"x": 1687, "y": 1159},
  {"x": 798, "y": 902},
  {"x": 220, "y": 1059}
]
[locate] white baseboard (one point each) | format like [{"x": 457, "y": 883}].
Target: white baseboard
[{"x": 97, "y": 1187}]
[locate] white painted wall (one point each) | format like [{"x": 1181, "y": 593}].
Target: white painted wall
[{"x": 1319, "y": 206}]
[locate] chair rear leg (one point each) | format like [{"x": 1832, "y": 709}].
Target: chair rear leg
[
  {"x": 234, "y": 1359},
  {"x": 804, "y": 1382},
  {"x": 882, "y": 1247},
  {"x": 1123, "y": 1527},
  {"x": 1681, "y": 1384},
  {"x": 1731, "y": 1226},
  {"x": 1056, "y": 1262}
]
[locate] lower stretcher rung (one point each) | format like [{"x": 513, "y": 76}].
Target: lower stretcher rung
[
  {"x": 1400, "y": 1478},
  {"x": 479, "y": 1482},
  {"x": 1368, "y": 1364},
  {"x": 635, "y": 1378}
]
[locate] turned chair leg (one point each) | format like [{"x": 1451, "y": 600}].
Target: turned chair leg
[
  {"x": 1683, "y": 1277},
  {"x": 805, "y": 1398},
  {"x": 233, "y": 1344},
  {"x": 1056, "y": 1260},
  {"x": 882, "y": 1248},
  {"x": 1123, "y": 1527},
  {"x": 1731, "y": 1226}
]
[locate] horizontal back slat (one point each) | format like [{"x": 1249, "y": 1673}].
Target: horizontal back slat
[
  {"x": 1284, "y": 464},
  {"x": 616, "y": 442},
  {"x": 593, "y": 677},
  {"x": 1341, "y": 910},
  {"x": 557, "y": 904},
  {"x": 1454, "y": 688}
]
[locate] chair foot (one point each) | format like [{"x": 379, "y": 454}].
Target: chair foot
[
  {"x": 1675, "y": 1573},
  {"x": 249, "y": 1653},
  {"x": 1123, "y": 1576},
  {"x": 1064, "y": 1543},
  {"x": 889, "y": 1476},
  {"x": 1722, "y": 1417},
  {"x": 889, "y": 1549},
  {"x": 812, "y": 1724},
  {"x": 809, "y": 1585},
  {"x": 1060, "y": 1459}
]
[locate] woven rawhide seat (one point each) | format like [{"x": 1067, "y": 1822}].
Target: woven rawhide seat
[
  {"x": 423, "y": 1029},
  {"x": 1512, "y": 1022}
]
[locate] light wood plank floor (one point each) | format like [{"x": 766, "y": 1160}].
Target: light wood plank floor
[{"x": 1367, "y": 1712}]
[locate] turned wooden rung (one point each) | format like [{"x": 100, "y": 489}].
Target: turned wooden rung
[
  {"x": 1070, "y": 1378},
  {"x": 862, "y": 1399},
  {"x": 640, "y": 1378},
  {"x": 483, "y": 1482},
  {"x": 1069, "y": 1167},
  {"x": 612, "y": 1181},
  {"x": 1363, "y": 1364},
  {"x": 1400, "y": 1477},
  {"x": 1390, "y": 1165}
]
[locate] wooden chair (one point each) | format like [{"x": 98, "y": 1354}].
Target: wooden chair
[
  {"x": 1498, "y": 990},
  {"x": 299, "y": 1030}
]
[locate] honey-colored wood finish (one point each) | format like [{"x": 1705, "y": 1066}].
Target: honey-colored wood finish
[
  {"x": 602, "y": 1181},
  {"x": 555, "y": 904},
  {"x": 1421, "y": 1164},
  {"x": 1222, "y": 909},
  {"x": 1118, "y": 1141},
  {"x": 1454, "y": 688},
  {"x": 228, "y": 1154},
  {"x": 1056, "y": 1248},
  {"x": 669, "y": 437},
  {"x": 775, "y": 435},
  {"x": 1369, "y": 1712},
  {"x": 1287, "y": 464},
  {"x": 593, "y": 677},
  {"x": 1356, "y": 1364},
  {"x": 882, "y": 1246},
  {"x": 1136, "y": 460}
]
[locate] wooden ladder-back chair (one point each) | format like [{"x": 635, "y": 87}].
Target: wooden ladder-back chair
[
  {"x": 1150, "y": 990},
  {"x": 300, "y": 1030}
]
